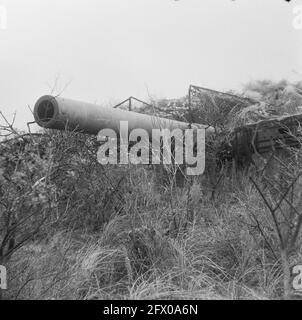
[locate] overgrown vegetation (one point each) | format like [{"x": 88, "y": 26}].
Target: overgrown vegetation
[{"x": 73, "y": 229}]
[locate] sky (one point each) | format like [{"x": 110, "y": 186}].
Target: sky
[{"x": 104, "y": 51}]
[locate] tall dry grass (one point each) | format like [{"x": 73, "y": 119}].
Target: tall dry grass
[{"x": 152, "y": 249}]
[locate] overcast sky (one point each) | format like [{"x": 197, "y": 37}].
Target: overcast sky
[{"x": 106, "y": 50}]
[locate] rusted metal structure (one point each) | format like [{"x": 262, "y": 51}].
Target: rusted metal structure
[
  {"x": 266, "y": 136},
  {"x": 260, "y": 138}
]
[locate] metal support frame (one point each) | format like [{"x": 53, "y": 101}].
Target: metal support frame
[{"x": 129, "y": 100}]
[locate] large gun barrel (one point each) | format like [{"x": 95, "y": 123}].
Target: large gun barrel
[{"x": 61, "y": 113}]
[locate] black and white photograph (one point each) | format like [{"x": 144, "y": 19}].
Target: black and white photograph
[{"x": 150, "y": 153}]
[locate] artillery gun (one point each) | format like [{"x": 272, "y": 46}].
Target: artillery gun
[
  {"x": 60, "y": 113},
  {"x": 259, "y": 138}
]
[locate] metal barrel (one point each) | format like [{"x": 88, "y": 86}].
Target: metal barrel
[{"x": 61, "y": 113}]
